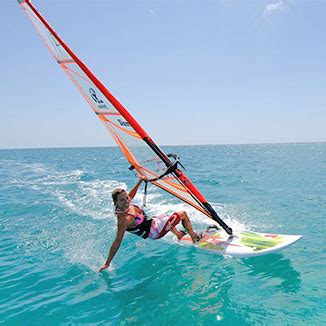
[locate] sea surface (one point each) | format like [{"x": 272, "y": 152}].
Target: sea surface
[{"x": 57, "y": 224}]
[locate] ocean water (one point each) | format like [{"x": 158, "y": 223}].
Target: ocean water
[{"x": 57, "y": 223}]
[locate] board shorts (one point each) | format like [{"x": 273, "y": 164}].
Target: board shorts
[{"x": 162, "y": 224}]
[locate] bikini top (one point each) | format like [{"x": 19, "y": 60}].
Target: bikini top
[{"x": 143, "y": 224}]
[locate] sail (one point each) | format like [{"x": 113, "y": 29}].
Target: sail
[{"x": 140, "y": 150}]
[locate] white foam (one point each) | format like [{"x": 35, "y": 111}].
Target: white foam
[{"x": 92, "y": 198}]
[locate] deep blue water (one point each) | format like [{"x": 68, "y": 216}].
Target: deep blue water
[{"x": 57, "y": 223}]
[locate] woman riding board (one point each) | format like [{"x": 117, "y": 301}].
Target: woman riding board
[{"x": 132, "y": 219}]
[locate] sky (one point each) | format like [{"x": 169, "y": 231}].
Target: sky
[{"x": 190, "y": 72}]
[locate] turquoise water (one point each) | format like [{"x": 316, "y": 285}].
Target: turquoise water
[{"x": 57, "y": 223}]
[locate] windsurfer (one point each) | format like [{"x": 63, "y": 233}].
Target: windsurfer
[{"x": 133, "y": 219}]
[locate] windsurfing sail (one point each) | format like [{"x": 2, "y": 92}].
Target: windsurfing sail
[{"x": 148, "y": 159}]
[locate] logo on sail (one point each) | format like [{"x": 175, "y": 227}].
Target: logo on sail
[
  {"x": 100, "y": 103},
  {"x": 124, "y": 123}
]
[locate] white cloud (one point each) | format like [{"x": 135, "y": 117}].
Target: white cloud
[{"x": 274, "y": 7}]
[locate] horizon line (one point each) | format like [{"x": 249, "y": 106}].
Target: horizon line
[{"x": 167, "y": 145}]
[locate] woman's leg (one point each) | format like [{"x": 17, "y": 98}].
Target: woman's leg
[
  {"x": 187, "y": 225},
  {"x": 163, "y": 224},
  {"x": 178, "y": 233}
]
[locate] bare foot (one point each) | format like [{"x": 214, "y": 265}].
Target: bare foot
[
  {"x": 179, "y": 234},
  {"x": 194, "y": 237}
]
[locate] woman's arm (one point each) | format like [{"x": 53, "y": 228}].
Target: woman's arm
[
  {"x": 134, "y": 190},
  {"x": 122, "y": 226}
]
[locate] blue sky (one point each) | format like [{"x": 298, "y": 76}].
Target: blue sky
[{"x": 191, "y": 72}]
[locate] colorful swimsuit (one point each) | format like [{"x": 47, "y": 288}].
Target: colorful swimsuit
[
  {"x": 153, "y": 228},
  {"x": 162, "y": 224},
  {"x": 143, "y": 224}
]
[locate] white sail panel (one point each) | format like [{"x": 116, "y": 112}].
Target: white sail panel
[
  {"x": 145, "y": 161},
  {"x": 49, "y": 39}
]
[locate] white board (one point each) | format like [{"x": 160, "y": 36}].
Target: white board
[{"x": 242, "y": 244}]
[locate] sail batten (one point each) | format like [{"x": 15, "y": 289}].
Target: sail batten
[{"x": 140, "y": 150}]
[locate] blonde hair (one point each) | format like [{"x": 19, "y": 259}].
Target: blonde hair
[{"x": 115, "y": 193}]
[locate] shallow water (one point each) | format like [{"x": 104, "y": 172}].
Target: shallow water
[{"x": 57, "y": 223}]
